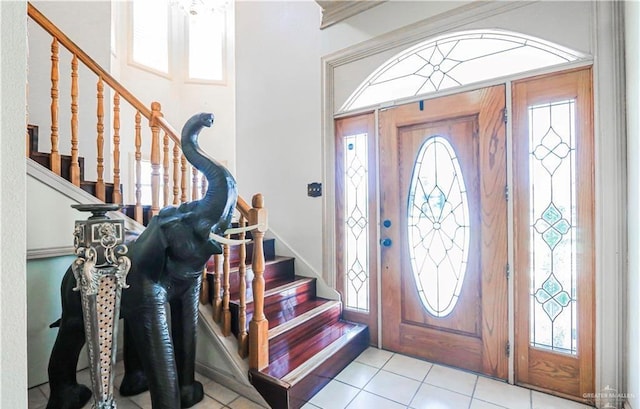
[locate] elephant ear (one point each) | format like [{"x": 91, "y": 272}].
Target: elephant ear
[{"x": 151, "y": 250}]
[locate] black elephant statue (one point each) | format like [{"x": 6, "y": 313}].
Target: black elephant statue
[{"x": 167, "y": 261}]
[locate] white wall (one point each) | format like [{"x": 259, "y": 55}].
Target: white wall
[
  {"x": 278, "y": 116},
  {"x": 632, "y": 22},
  {"x": 13, "y": 312}
]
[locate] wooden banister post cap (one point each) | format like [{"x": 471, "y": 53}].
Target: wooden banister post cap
[{"x": 257, "y": 201}]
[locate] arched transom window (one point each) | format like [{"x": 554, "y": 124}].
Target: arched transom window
[{"x": 454, "y": 60}]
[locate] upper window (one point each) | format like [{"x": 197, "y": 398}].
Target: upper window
[
  {"x": 453, "y": 60},
  {"x": 164, "y": 29},
  {"x": 151, "y": 34},
  {"x": 206, "y": 36}
]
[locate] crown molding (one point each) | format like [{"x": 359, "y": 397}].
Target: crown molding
[{"x": 334, "y": 11}]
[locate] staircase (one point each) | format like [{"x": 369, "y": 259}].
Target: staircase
[
  {"x": 294, "y": 341},
  {"x": 309, "y": 343}
]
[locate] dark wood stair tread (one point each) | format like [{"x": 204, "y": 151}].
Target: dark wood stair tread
[
  {"x": 307, "y": 350},
  {"x": 283, "y": 295},
  {"x": 292, "y": 379},
  {"x": 288, "y": 313},
  {"x": 276, "y": 270}
]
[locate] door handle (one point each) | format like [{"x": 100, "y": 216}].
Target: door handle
[{"x": 386, "y": 242}]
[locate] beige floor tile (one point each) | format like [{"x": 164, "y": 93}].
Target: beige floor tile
[
  {"x": 433, "y": 397},
  {"x": 406, "y": 366},
  {"x": 452, "y": 379},
  {"x": 366, "y": 400},
  {"x": 394, "y": 387},
  {"x": 357, "y": 374},
  {"x": 36, "y": 398},
  {"x": 335, "y": 395},
  {"x": 374, "y": 357},
  {"x": 501, "y": 393},
  {"x": 480, "y": 404},
  {"x": 244, "y": 403},
  {"x": 206, "y": 403},
  {"x": 219, "y": 392}
]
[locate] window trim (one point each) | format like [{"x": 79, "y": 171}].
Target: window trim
[{"x": 225, "y": 54}]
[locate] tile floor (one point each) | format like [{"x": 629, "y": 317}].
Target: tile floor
[{"x": 377, "y": 379}]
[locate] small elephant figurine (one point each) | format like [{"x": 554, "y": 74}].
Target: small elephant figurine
[{"x": 167, "y": 260}]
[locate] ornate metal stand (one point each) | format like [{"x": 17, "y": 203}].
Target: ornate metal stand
[{"x": 100, "y": 271}]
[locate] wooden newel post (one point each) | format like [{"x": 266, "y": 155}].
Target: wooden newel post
[
  {"x": 259, "y": 326},
  {"x": 155, "y": 157}
]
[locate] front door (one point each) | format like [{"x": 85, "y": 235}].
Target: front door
[{"x": 443, "y": 223}]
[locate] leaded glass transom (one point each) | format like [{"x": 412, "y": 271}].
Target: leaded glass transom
[
  {"x": 356, "y": 222},
  {"x": 453, "y": 60},
  {"x": 438, "y": 226},
  {"x": 552, "y": 193}
]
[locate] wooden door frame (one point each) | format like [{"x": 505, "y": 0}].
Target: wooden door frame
[
  {"x": 573, "y": 374},
  {"x": 357, "y": 124}
]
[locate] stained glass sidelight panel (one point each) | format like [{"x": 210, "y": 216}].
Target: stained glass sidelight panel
[
  {"x": 552, "y": 193},
  {"x": 356, "y": 222},
  {"x": 438, "y": 226}
]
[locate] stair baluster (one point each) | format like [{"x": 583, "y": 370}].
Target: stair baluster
[
  {"x": 74, "y": 170},
  {"x": 100, "y": 188},
  {"x": 176, "y": 174},
  {"x": 203, "y": 185},
  {"x": 183, "y": 183},
  {"x": 243, "y": 347},
  {"x": 194, "y": 183},
  {"x": 117, "y": 193},
  {"x": 165, "y": 166},
  {"x": 216, "y": 302},
  {"x": 138, "y": 209},
  {"x": 54, "y": 159},
  {"x": 155, "y": 157},
  {"x": 226, "y": 313}
]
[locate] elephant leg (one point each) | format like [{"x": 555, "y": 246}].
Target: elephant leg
[
  {"x": 134, "y": 381},
  {"x": 184, "y": 321},
  {"x": 66, "y": 393},
  {"x": 149, "y": 328}
]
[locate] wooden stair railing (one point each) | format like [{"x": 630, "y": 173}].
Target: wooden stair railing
[{"x": 168, "y": 165}]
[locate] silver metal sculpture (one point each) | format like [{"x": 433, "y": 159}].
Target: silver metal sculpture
[{"x": 100, "y": 272}]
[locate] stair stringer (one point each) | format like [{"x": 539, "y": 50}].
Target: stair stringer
[
  {"x": 74, "y": 194},
  {"x": 217, "y": 358}
]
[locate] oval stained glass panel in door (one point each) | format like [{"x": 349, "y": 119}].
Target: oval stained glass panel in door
[{"x": 438, "y": 226}]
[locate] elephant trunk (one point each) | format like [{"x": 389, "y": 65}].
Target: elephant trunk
[{"x": 218, "y": 204}]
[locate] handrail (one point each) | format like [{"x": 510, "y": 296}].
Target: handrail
[
  {"x": 51, "y": 28},
  {"x": 160, "y": 121}
]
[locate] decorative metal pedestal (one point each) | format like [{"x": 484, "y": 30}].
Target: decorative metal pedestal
[{"x": 100, "y": 271}]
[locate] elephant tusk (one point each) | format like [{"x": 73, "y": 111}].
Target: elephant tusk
[
  {"x": 230, "y": 242},
  {"x": 238, "y": 230}
]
